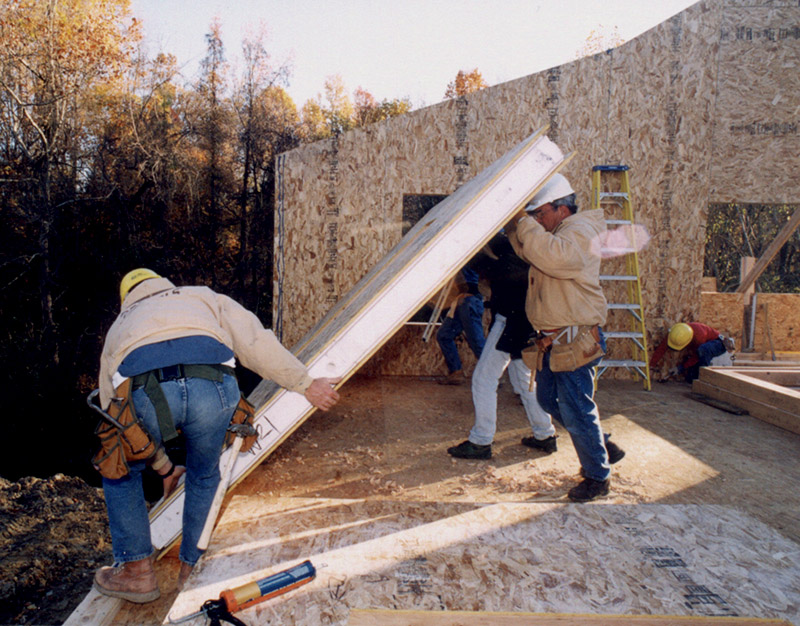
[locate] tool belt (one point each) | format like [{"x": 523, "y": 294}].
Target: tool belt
[
  {"x": 242, "y": 425},
  {"x": 565, "y": 356},
  {"x": 126, "y": 441}
]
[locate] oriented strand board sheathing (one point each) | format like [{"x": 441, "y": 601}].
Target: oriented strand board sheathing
[
  {"x": 723, "y": 311},
  {"x": 687, "y": 560},
  {"x": 703, "y": 108},
  {"x": 382, "y": 617}
]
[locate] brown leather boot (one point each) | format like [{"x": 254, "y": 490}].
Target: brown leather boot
[
  {"x": 134, "y": 581},
  {"x": 183, "y": 574}
]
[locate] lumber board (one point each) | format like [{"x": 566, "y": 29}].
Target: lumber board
[
  {"x": 769, "y": 254},
  {"x": 785, "y": 376},
  {"x": 782, "y": 398},
  {"x": 764, "y": 412},
  {"x": 95, "y": 610},
  {"x": 385, "y": 617},
  {"x": 430, "y": 254}
]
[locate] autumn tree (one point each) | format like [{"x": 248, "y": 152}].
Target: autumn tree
[
  {"x": 211, "y": 196},
  {"x": 57, "y": 62},
  {"x": 465, "y": 83},
  {"x": 267, "y": 124},
  {"x": 600, "y": 39}
]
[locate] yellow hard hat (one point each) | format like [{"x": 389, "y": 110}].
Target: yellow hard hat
[
  {"x": 133, "y": 278},
  {"x": 679, "y": 336}
]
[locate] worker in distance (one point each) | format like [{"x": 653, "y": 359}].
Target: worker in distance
[
  {"x": 698, "y": 344},
  {"x": 175, "y": 349},
  {"x": 566, "y": 306}
]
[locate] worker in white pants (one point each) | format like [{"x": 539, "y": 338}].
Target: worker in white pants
[
  {"x": 508, "y": 335},
  {"x": 485, "y": 379}
]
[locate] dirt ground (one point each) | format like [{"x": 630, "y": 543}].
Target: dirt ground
[{"x": 387, "y": 439}]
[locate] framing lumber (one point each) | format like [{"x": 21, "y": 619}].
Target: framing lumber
[
  {"x": 383, "y": 617},
  {"x": 764, "y": 400},
  {"x": 769, "y": 254}
]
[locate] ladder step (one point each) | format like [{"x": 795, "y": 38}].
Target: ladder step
[
  {"x": 613, "y": 194},
  {"x": 620, "y": 277},
  {"x": 618, "y": 250},
  {"x": 621, "y": 363},
  {"x": 622, "y": 334},
  {"x": 625, "y": 306}
]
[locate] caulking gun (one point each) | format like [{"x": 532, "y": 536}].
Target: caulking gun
[{"x": 232, "y": 600}]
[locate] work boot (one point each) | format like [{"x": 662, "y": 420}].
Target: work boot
[
  {"x": 183, "y": 574},
  {"x": 548, "y": 444},
  {"x": 453, "y": 378},
  {"x": 134, "y": 581},
  {"x": 589, "y": 489},
  {"x": 468, "y": 450},
  {"x": 615, "y": 453}
]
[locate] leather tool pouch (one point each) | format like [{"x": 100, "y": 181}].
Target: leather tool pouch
[
  {"x": 583, "y": 349},
  {"x": 121, "y": 445},
  {"x": 242, "y": 425}
]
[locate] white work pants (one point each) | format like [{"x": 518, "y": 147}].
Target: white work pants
[{"x": 485, "y": 379}]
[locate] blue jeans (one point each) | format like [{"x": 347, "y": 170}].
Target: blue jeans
[
  {"x": 468, "y": 319},
  {"x": 569, "y": 398},
  {"x": 202, "y": 410},
  {"x": 705, "y": 352},
  {"x": 490, "y": 368}
]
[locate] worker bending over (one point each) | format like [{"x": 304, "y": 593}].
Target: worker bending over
[
  {"x": 566, "y": 305},
  {"x": 178, "y": 345},
  {"x": 701, "y": 344}
]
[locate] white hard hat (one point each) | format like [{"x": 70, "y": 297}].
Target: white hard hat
[{"x": 555, "y": 188}]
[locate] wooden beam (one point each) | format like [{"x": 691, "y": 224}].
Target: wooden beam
[
  {"x": 764, "y": 400},
  {"x": 770, "y": 253},
  {"x": 381, "y": 617}
]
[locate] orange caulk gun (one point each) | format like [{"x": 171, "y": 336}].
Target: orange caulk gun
[{"x": 232, "y": 600}]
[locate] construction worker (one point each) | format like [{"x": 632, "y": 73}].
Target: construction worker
[
  {"x": 179, "y": 345},
  {"x": 508, "y": 334},
  {"x": 464, "y": 315},
  {"x": 701, "y": 344},
  {"x": 566, "y": 305}
]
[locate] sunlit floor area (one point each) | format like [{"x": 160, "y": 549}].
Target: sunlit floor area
[{"x": 703, "y": 518}]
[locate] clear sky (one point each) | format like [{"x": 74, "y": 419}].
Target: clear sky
[{"x": 398, "y": 48}]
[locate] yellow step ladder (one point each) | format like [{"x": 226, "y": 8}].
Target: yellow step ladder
[{"x": 611, "y": 192}]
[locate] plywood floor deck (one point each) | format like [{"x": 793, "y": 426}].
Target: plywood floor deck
[{"x": 370, "y": 489}]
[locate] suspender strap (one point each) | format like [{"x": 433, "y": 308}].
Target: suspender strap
[{"x": 151, "y": 381}]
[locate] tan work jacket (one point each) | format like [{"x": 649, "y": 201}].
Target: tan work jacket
[
  {"x": 157, "y": 310},
  {"x": 564, "y": 278}
]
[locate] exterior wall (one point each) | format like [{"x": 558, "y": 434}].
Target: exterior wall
[
  {"x": 777, "y": 320},
  {"x": 703, "y": 108}
]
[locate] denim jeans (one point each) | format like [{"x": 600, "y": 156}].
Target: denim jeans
[
  {"x": 705, "y": 352},
  {"x": 468, "y": 319},
  {"x": 202, "y": 410},
  {"x": 490, "y": 368},
  {"x": 569, "y": 398}
]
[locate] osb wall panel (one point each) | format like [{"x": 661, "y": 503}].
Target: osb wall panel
[
  {"x": 652, "y": 104},
  {"x": 757, "y": 129},
  {"x": 723, "y": 311},
  {"x": 776, "y": 315}
]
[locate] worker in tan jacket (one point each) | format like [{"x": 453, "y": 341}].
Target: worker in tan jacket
[
  {"x": 565, "y": 304},
  {"x": 179, "y": 345}
]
